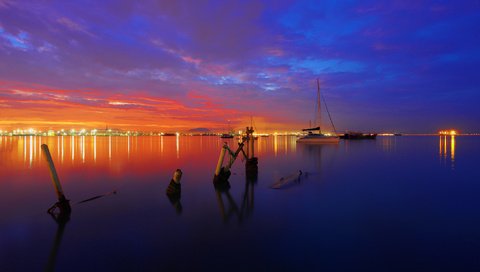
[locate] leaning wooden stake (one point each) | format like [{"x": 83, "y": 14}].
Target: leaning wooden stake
[
  {"x": 53, "y": 173},
  {"x": 220, "y": 160},
  {"x": 63, "y": 203}
]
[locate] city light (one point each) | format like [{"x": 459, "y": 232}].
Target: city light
[{"x": 448, "y": 132}]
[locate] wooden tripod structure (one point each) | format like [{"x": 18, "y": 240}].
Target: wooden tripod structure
[{"x": 222, "y": 172}]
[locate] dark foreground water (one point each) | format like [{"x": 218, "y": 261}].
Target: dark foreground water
[{"x": 392, "y": 204}]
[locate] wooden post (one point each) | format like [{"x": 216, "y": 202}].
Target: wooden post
[
  {"x": 220, "y": 161},
  {"x": 252, "y": 146},
  {"x": 247, "y": 131},
  {"x": 53, "y": 174},
  {"x": 177, "y": 175}
]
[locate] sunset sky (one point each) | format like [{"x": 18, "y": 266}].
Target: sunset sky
[{"x": 406, "y": 66}]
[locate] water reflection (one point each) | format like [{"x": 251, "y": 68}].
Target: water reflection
[
  {"x": 31, "y": 151},
  {"x": 388, "y": 143},
  {"x": 63, "y": 152},
  {"x": 222, "y": 191},
  {"x": 95, "y": 149},
  {"x": 83, "y": 149},
  {"x": 443, "y": 149},
  {"x": 161, "y": 144},
  {"x": 177, "y": 145},
  {"x": 34, "y": 148},
  {"x": 109, "y": 150},
  {"x": 72, "y": 141},
  {"x": 275, "y": 144},
  {"x": 61, "y": 219},
  {"x": 314, "y": 152},
  {"x": 128, "y": 146}
]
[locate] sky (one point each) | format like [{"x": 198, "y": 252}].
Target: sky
[{"x": 402, "y": 66}]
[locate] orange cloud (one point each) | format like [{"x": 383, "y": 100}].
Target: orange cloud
[{"x": 46, "y": 108}]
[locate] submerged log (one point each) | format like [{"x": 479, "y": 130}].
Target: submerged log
[{"x": 295, "y": 177}]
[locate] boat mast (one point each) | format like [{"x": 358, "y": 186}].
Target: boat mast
[{"x": 318, "y": 110}]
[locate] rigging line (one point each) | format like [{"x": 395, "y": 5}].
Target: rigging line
[
  {"x": 329, "y": 116},
  {"x": 317, "y": 116},
  {"x": 254, "y": 125}
]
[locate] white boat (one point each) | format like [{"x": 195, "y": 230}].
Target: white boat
[
  {"x": 319, "y": 137},
  {"x": 229, "y": 134}
]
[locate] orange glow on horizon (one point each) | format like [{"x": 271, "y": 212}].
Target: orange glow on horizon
[{"x": 50, "y": 109}]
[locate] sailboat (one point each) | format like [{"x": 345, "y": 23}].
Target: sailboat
[
  {"x": 229, "y": 134},
  {"x": 318, "y": 137}
]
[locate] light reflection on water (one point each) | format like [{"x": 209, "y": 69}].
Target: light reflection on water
[
  {"x": 444, "y": 151},
  {"x": 356, "y": 193}
]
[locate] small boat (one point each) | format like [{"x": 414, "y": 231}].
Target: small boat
[
  {"x": 318, "y": 138},
  {"x": 358, "y": 136},
  {"x": 229, "y": 134}
]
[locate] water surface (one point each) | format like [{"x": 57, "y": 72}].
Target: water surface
[{"x": 391, "y": 204}]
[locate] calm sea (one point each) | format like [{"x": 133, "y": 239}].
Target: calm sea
[{"x": 390, "y": 204}]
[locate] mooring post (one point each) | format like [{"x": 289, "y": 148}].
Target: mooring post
[
  {"x": 53, "y": 174},
  {"x": 220, "y": 160},
  {"x": 252, "y": 152},
  {"x": 247, "y": 131},
  {"x": 174, "y": 187},
  {"x": 252, "y": 162},
  {"x": 174, "y": 191},
  {"x": 250, "y": 143},
  {"x": 177, "y": 176}
]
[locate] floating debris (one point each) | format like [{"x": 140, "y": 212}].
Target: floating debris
[
  {"x": 97, "y": 197},
  {"x": 282, "y": 182}
]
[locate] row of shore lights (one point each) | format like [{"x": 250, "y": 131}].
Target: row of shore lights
[
  {"x": 50, "y": 132},
  {"x": 448, "y": 132},
  {"x": 62, "y": 132}
]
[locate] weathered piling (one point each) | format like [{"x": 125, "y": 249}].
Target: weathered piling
[
  {"x": 220, "y": 160},
  {"x": 251, "y": 144},
  {"x": 177, "y": 176},
  {"x": 174, "y": 191},
  {"x": 53, "y": 173},
  {"x": 175, "y": 188},
  {"x": 251, "y": 165},
  {"x": 222, "y": 173},
  {"x": 63, "y": 204}
]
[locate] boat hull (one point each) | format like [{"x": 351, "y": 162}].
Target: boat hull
[
  {"x": 319, "y": 140},
  {"x": 361, "y": 136}
]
